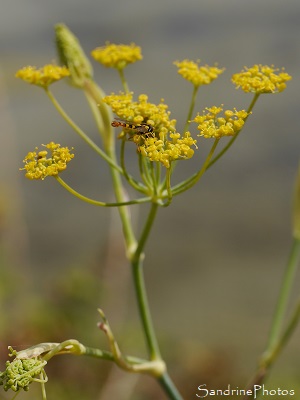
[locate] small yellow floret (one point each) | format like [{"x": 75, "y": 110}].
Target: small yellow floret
[
  {"x": 165, "y": 151},
  {"x": 38, "y": 166},
  {"x": 198, "y": 75},
  {"x": 117, "y": 56},
  {"x": 261, "y": 79},
  {"x": 211, "y": 125},
  {"x": 44, "y": 76}
]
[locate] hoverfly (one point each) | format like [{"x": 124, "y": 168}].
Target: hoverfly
[{"x": 143, "y": 129}]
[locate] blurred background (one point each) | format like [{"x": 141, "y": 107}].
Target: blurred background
[{"x": 216, "y": 256}]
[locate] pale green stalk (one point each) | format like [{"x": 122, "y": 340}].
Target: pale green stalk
[
  {"x": 135, "y": 184},
  {"x": 100, "y": 203},
  {"x": 123, "y": 80},
  {"x": 80, "y": 132},
  {"x": 140, "y": 288},
  {"x": 187, "y": 184},
  {"x": 109, "y": 144},
  {"x": 278, "y": 340},
  {"x": 284, "y": 295},
  {"x": 191, "y": 108}
]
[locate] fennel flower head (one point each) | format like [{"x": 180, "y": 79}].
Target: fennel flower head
[
  {"x": 44, "y": 76},
  {"x": 261, "y": 79},
  {"x": 117, "y": 55},
  {"x": 38, "y": 165}
]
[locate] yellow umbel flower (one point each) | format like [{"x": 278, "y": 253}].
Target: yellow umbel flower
[
  {"x": 44, "y": 76},
  {"x": 38, "y": 166},
  {"x": 198, "y": 75},
  {"x": 117, "y": 55},
  {"x": 166, "y": 151},
  {"x": 213, "y": 126},
  {"x": 141, "y": 111},
  {"x": 261, "y": 79}
]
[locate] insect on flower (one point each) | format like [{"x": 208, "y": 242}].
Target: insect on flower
[{"x": 144, "y": 130}]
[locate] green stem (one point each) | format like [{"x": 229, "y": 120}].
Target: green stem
[
  {"x": 183, "y": 186},
  {"x": 135, "y": 184},
  {"x": 96, "y": 94},
  {"x": 168, "y": 186},
  {"x": 276, "y": 341},
  {"x": 103, "y": 117},
  {"x": 280, "y": 310},
  {"x": 277, "y": 347},
  {"x": 191, "y": 109},
  {"x": 140, "y": 288},
  {"x": 100, "y": 203},
  {"x": 123, "y": 80},
  {"x": 123, "y": 211},
  {"x": 80, "y": 132},
  {"x": 232, "y": 140},
  {"x": 169, "y": 387}
]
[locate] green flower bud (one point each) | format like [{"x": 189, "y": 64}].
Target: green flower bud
[{"x": 72, "y": 55}]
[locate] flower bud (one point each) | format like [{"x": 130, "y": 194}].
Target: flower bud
[{"x": 72, "y": 55}]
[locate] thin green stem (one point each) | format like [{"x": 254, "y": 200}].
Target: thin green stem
[
  {"x": 233, "y": 139},
  {"x": 100, "y": 203},
  {"x": 284, "y": 295},
  {"x": 135, "y": 184},
  {"x": 96, "y": 95},
  {"x": 153, "y": 178},
  {"x": 123, "y": 80},
  {"x": 140, "y": 288},
  {"x": 187, "y": 184},
  {"x": 168, "y": 186},
  {"x": 278, "y": 340},
  {"x": 268, "y": 361},
  {"x": 290, "y": 328},
  {"x": 191, "y": 108},
  {"x": 123, "y": 211},
  {"x": 95, "y": 111},
  {"x": 144, "y": 310},
  {"x": 104, "y": 116},
  {"x": 80, "y": 132},
  {"x": 144, "y": 175},
  {"x": 146, "y": 231}
]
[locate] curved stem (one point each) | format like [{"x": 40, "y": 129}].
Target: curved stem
[
  {"x": 135, "y": 184},
  {"x": 100, "y": 203},
  {"x": 181, "y": 187},
  {"x": 232, "y": 140},
  {"x": 80, "y": 132}
]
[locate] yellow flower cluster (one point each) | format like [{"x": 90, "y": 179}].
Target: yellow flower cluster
[
  {"x": 165, "y": 151},
  {"x": 38, "y": 166},
  {"x": 44, "y": 76},
  {"x": 141, "y": 111},
  {"x": 198, "y": 75},
  {"x": 261, "y": 79},
  {"x": 117, "y": 56},
  {"x": 213, "y": 126}
]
